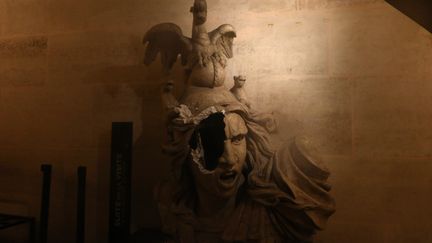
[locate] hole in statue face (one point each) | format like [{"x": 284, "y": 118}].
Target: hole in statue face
[
  {"x": 223, "y": 143},
  {"x": 212, "y": 133}
]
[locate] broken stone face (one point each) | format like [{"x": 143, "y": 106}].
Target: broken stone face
[{"x": 220, "y": 155}]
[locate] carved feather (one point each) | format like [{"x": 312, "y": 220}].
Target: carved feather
[
  {"x": 223, "y": 38},
  {"x": 168, "y": 40}
]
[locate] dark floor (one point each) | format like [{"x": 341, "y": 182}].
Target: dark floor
[{"x": 148, "y": 236}]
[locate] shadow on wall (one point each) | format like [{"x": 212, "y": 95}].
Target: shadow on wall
[{"x": 148, "y": 163}]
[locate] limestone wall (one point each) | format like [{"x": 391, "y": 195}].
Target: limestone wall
[{"x": 353, "y": 75}]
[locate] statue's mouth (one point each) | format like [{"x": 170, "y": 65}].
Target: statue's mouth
[{"x": 228, "y": 178}]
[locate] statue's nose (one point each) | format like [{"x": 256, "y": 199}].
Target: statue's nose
[{"x": 228, "y": 157}]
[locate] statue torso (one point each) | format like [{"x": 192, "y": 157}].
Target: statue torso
[{"x": 211, "y": 75}]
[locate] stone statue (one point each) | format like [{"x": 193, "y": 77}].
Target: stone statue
[
  {"x": 239, "y": 91},
  {"x": 228, "y": 183}
]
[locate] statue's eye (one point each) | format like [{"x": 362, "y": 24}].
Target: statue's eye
[{"x": 237, "y": 139}]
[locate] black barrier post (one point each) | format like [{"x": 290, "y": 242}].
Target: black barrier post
[
  {"x": 120, "y": 195},
  {"x": 32, "y": 230},
  {"x": 80, "y": 223},
  {"x": 44, "y": 213}
]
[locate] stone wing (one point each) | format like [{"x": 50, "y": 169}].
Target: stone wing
[
  {"x": 223, "y": 38},
  {"x": 168, "y": 40}
]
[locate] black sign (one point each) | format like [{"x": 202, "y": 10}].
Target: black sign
[{"x": 120, "y": 197}]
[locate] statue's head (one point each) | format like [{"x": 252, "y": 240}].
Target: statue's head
[
  {"x": 239, "y": 81},
  {"x": 199, "y": 10},
  {"x": 218, "y": 155}
]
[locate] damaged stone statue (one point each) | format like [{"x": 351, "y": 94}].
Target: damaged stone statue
[{"x": 228, "y": 183}]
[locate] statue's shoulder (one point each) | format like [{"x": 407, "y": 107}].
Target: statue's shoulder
[{"x": 306, "y": 156}]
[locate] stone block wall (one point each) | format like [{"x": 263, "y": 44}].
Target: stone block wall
[{"x": 353, "y": 75}]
